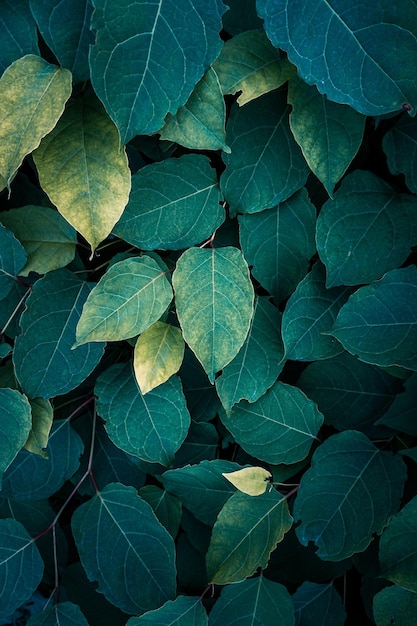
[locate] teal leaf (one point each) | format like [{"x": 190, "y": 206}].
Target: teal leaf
[
  {"x": 12, "y": 259},
  {"x": 280, "y": 427},
  {"x": 129, "y": 572},
  {"x": 324, "y": 39},
  {"x": 259, "y": 361},
  {"x": 395, "y": 605},
  {"x": 401, "y": 415},
  {"x": 202, "y": 399},
  {"x": 365, "y": 214},
  {"x": 166, "y": 507},
  {"x": 347, "y": 474},
  {"x": 11, "y": 308},
  {"x": 16, "y": 422},
  {"x": 400, "y": 146},
  {"x": 18, "y": 35},
  {"x": 265, "y": 166},
  {"x": 183, "y": 611},
  {"x": 151, "y": 427},
  {"x": 202, "y": 442},
  {"x": 279, "y": 243},
  {"x": 318, "y": 604},
  {"x": 176, "y": 214},
  {"x": 379, "y": 322},
  {"x": 35, "y": 515},
  {"x": 64, "y": 614},
  {"x": 214, "y": 299},
  {"x": 50, "y": 367},
  {"x": 169, "y": 48},
  {"x": 253, "y": 601}
]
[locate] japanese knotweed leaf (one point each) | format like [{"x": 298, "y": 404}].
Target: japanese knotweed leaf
[
  {"x": 183, "y": 611},
  {"x": 49, "y": 241},
  {"x": 202, "y": 443},
  {"x": 21, "y": 566},
  {"x": 18, "y": 35},
  {"x": 253, "y": 601},
  {"x": 148, "y": 57},
  {"x": 202, "y": 399},
  {"x": 250, "y": 480},
  {"x": 379, "y": 322},
  {"x": 346, "y": 50},
  {"x": 349, "y": 494},
  {"x": 246, "y": 531},
  {"x": 45, "y": 364},
  {"x": 151, "y": 427},
  {"x": 41, "y": 424},
  {"x": 318, "y": 604},
  {"x": 329, "y": 134},
  {"x": 278, "y": 244},
  {"x": 280, "y": 427},
  {"x": 33, "y": 94},
  {"x": 84, "y": 170},
  {"x": 166, "y": 507},
  {"x": 62, "y": 614},
  {"x": 130, "y": 297},
  {"x": 259, "y": 361},
  {"x": 401, "y": 415},
  {"x": 16, "y": 421},
  {"x": 12, "y": 259},
  {"x": 125, "y": 549},
  {"x": 394, "y": 605},
  {"x": 214, "y": 302},
  {"x": 400, "y": 146},
  {"x": 266, "y": 165},
  {"x": 365, "y": 214},
  {"x": 174, "y": 204},
  {"x": 65, "y": 27}
]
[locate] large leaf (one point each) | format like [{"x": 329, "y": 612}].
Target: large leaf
[
  {"x": 130, "y": 297},
  {"x": 400, "y": 146},
  {"x": 265, "y": 165},
  {"x": 401, "y": 415},
  {"x": 246, "y": 531},
  {"x": 33, "y": 94},
  {"x": 214, "y": 299},
  {"x": 15, "y": 426},
  {"x": 168, "y": 48},
  {"x": 395, "y": 605},
  {"x": 348, "y": 475},
  {"x": 347, "y": 52},
  {"x": 50, "y": 367},
  {"x": 18, "y": 34},
  {"x": 64, "y": 614},
  {"x": 84, "y": 170},
  {"x": 122, "y": 546},
  {"x": 12, "y": 259},
  {"x": 318, "y": 604},
  {"x": 183, "y": 611},
  {"x": 174, "y": 204}
]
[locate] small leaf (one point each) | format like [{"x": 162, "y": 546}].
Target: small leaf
[
  {"x": 183, "y": 611},
  {"x": 18, "y": 35},
  {"x": 399, "y": 144},
  {"x": 318, "y": 604},
  {"x": 15, "y": 426},
  {"x": 12, "y": 259},
  {"x": 64, "y": 614},
  {"x": 395, "y": 605},
  {"x": 42, "y": 417},
  {"x": 250, "y": 480}
]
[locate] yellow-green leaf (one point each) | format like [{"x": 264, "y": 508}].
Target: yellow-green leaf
[
  {"x": 42, "y": 417},
  {"x": 250, "y": 480}
]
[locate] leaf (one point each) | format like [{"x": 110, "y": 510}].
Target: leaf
[
  {"x": 151, "y": 427},
  {"x": 265, "y": 166},
  {"x": 399, "y": 144},
  {"x": 200, "y": 123},
  {"x": 378, "y": 322},
  {"x": 346, "y": 53},
  {"x": 15, "y": 426},
  {"x": 183, "y": 611},
  {"x": 33, "y": 94},
  {"x": 49, "y": 241},
  {"x": 366, "y": 214},
  {"x": 202, "y": 399},
  {"x": 280, "y": 427},
  {"x": 42, "y": 417},
  {"x": 166, "y": 507},
  {"x": 214, "y": 300},
  {"x": 241, "y": 16},
  {"x": 348, "y": 474},
  {"x": 12, "y": 259},
  {"x": 254, "y": 601},
  {"x": 168, "y": 47},
  {"x": 250, "y": 64},
  {"x": 279, "y": 243},
  {"x": 130, "y": 297},
  {"x": 246, "y": 531},
  {"x": 318, "y": 604},
  {"x": 50, "y": 368},
  {"x": 119, "y": 518},
  {"x": 329, "y": 134},
  {"x": 394, "y": 605},
  {"x": 176, "y": 215},
  {"x": 401, "y": 415},
  {"x": 35, "y": 515},
  {"x": 202, "y": 442},
  {"x": 18, "y": 35},
  {"x": 250, "y": 480},
  {"x": 21, "y": 566},
  {"x": 259, "y": 361},
  {"x": 80, "y": 153},
  {"x": 64, "y": 614}
]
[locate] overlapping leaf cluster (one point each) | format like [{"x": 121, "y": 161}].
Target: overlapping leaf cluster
[{"x": 208, "y": 311}]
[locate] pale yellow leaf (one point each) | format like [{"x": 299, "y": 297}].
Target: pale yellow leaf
[{"x": 250, "y": 480}]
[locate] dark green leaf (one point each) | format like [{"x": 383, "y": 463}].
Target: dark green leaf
[
  {"x": 400, "y": 145},
  {"x": 395, "y": 606},
  {"x": 166, "y": 507},
  {"x": 401, "y": 415},
  {"x": 42, "y": 417},
  {"x": 318, "y": 604},
  {"x": 16, "y": 422},
  {"x": 182, "y": 611},
  {"x": 35, "y": 515},
  {"x": 64, "y": 614},
  {"x": 202, "y": 399},
  {"x": 12, "y": 259},
  {"x": 241, "y": 16},
  {"x": 18, "y": 34}
]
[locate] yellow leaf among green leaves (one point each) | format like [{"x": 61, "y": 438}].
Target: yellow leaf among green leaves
[{"x": 250, "y": 480}]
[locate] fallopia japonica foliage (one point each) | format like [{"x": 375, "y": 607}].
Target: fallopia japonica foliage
[{"x": 208, "y": 312}]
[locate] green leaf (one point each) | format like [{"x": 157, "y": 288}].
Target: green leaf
[
  {"x": 399, "y": 144},
  {"x": 35, "y": 515},
  {"x": 50, "y": 367},
  {"x": 366, "y": 214},
  {"x": 241, "y": 16},
  {"x": 151, "y": 427},
  {"x": 130, "y": 297},
  {"x": 259, "y": 361},
  {"x": 250, "y": 480},
  {"x": 279, "y": 243},
  {"x": 250, "y": 64},
  {"x": 347, "y": 52},
  {"x": 395, "y": 605},
  {"x": 202, "y": 442},
  {"x": 64, "y": 614},
  {"x": 401, "y": 415},
  {"x": 18, "y": 34},
  {"x": 176, "y": 215},
  {"x": 280, "y": 427},
  {"x": 202, "y": 399},
  {"x": 265, "y": 166},
  {"x": 254, "y": 601},
  {"x": 318, "y": 604},
  {"x": 348, "y": 474},
  {"x": 42, "y": 417},
  {"x": 200, "y": 123},
  {"x": 214, "y": 299},
  {"x": 119, "y": 518},
  {"x": 169, "y": 48},
  {"x": 15, "y": 426},
  {"x": 329, "y": 134},
  {"x": 48, "y": 239},
  {"x": 80, "y": 153},
  {"x": 21, "y": 566},
  {"x": 33, "y": 94},
  {"x": 12, "y": 259},
  {"x": 379, "y": 322},
  {"x": 183, "y": 611},
  {"x": 246, "y": 531},
  {"x": 166, "y": 507}
]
